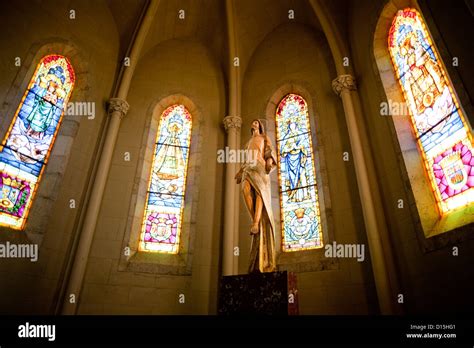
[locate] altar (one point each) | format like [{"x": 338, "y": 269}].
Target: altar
[{"x": 273, "y": 293}]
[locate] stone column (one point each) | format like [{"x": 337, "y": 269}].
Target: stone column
[
  {"x": 235, "y": 97},
  {"x": 345, "y": 87},
  {"x": 117, "y": 109},
  {"x": 232, "y": 126}
]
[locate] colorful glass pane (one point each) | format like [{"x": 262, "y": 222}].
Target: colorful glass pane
[
  {"x": 300, "y": 216},
  {"x": 26, "y": 147},
  {"x": 440, "y": 127},
  {"x": 162, "y": 219}
]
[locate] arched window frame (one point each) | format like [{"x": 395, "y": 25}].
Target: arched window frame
[
  {"x": 52, "y": 71},
  {"x": 430, "y": 227},
  {"x": 133, "y": 259},
  {"x": 310, "y": 201},
  {"x": 313, "y": 259},
  {"x": 459, "y": 143},
  {"x": 174, "y": 214}
]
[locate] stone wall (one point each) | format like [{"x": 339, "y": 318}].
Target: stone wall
[
  {"x": 430, "y": 276},
  {"x": 187, "y": 64},
  {"x": 296, "y": 59},
  {"x": 175, "y": 71},
  {"x": 31, "y": 30}
]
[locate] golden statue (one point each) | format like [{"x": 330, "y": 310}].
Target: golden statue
[{"x": 254, "y": 177}]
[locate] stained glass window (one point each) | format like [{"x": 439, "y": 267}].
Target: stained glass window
[
  {"x": 443, "y": 137},
  {"x": 299, "y": 205},
  {"x": 26, "y": 147},
  {"x": 162, "y": 219}
]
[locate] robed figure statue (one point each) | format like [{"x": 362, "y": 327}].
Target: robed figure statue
[{"x": 255, "y": 183}]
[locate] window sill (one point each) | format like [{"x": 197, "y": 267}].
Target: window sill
[
  {"x": 449, "y": 230},
  {"x": 165, "y": 264},
  {"x": 306, "y": 261}
]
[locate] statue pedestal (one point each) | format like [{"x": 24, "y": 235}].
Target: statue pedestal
[{"x": 259, "y": 293}]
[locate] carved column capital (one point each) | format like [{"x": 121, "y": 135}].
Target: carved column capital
[
  {"x": 232, "y": 122},
  {"x": 117, "y": 105},
  {"x": 343, "y": 82}
]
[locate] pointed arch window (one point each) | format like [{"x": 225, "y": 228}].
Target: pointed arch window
[
  {"x": 439, "y": 125},
  {"x": 162, "y": 220},
  {"x": 27, "y": 145},
  {"x": 299, "y": 203}
]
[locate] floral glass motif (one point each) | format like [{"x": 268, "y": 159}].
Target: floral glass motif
[
  {"x": 162, "y": 219},
  {"x": 28, "y": 142},
  {"x": 443, "y": 136},
  {"x": 299, "y": 206}
]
